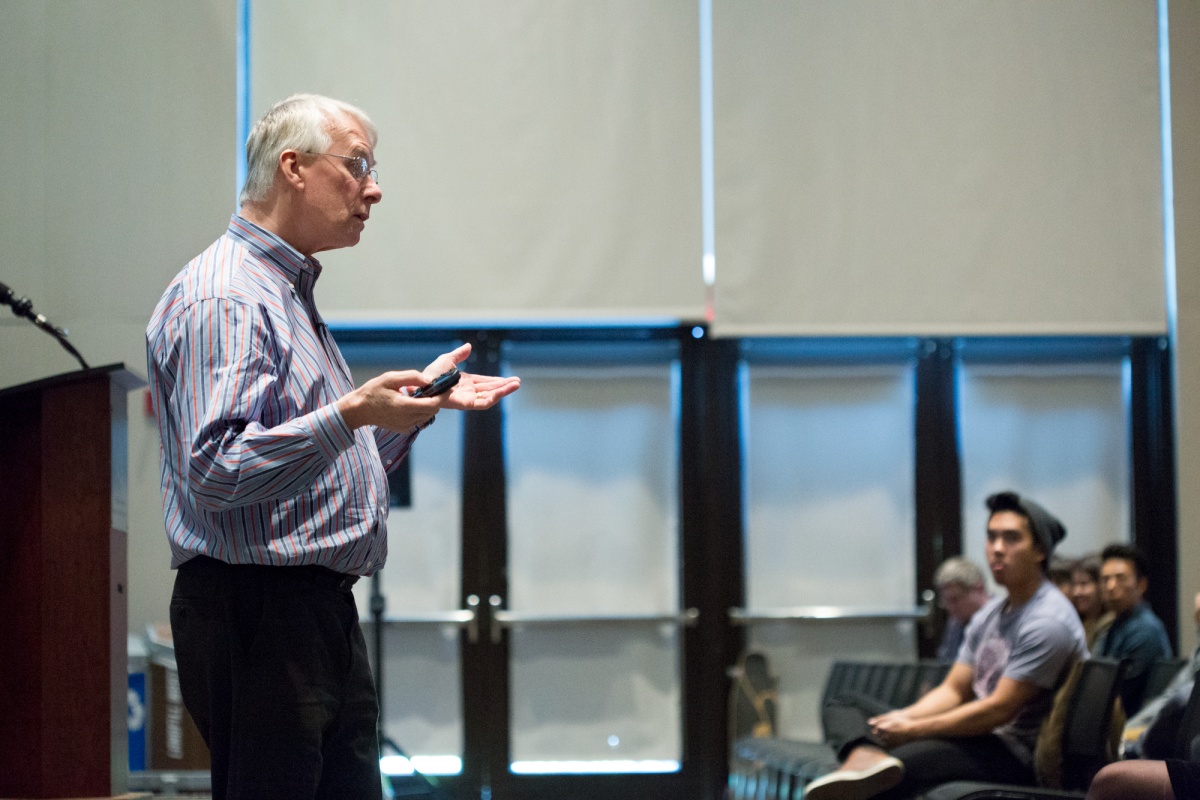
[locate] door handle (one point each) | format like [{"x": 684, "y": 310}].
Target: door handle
[
  {"x": 495, "y": 602},
  {"x": 473, "y": 622}
]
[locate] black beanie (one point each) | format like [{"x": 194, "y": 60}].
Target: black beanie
[{"x": 1046, "y": 527}]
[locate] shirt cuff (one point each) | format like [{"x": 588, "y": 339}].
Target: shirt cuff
[{"x": 332, "y": 433}]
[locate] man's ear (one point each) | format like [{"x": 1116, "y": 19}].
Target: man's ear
[{"x": 289, "y": 169}]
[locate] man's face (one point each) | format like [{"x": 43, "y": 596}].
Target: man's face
[
  {"x": 959, "y": 602},
  {"x": 1085, "y": 594},
  {"x": 1122, "y": 589},
  {"x": 1011, "y": 553},
  {"x": 336, "y": 204}
]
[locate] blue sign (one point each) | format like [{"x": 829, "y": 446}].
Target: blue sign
[{"x": 137, "y": 721}]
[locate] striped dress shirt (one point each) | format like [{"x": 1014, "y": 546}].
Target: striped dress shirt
[{"x": 258, "y": 465}]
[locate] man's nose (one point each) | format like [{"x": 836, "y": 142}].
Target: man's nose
[{"x": 372, "y": 193}]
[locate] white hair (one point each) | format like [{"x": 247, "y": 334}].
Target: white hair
[
  {"x": 301, "y": 122},
  {"x": 959, "y": 570}
]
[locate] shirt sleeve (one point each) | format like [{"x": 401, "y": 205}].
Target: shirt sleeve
[
  {"x": 224, "y": 384},
  {"x": 394, "y": 447},
  {"x": 1040, "y": 654}
]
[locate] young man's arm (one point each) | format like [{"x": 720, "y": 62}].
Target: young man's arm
[
  {"x": 952, "y": 692},
  {"x": 971, "y": 718}
]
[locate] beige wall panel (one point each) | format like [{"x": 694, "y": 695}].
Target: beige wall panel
[
  {"x": 937, "y": 167},
  {"x": 119, "y": 145},
  {"x": 538, "y": 160}
]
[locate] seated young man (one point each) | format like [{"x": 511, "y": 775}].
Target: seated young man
[
  {"x": 982, "y": 721},
  {"x": 1136, "y": 632}
]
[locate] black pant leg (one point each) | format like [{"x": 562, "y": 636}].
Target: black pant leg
[
  {"x": 930, "y": 762},
  {"x": 276, "y": 668},
  {"x": 351, "y": 751},
  {"x": 845, "y": 721},
  {"x": 205, "y": 657}
]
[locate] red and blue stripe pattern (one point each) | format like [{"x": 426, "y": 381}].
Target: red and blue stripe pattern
[{"x": 258, "y": 466}]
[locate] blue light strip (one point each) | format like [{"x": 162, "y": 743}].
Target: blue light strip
[
  {"x": 1164, "y": 84},
  {"x": 243, "y": 92},
  {"x": 707, "y": 203},
  {"x": 347, "y": 324}
]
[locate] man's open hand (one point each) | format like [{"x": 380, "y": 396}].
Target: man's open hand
[{"x": 472, "y": 392}]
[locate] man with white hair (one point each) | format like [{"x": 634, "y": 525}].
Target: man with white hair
[
  {"x": 961, "y": 592},
  {"x": 274, "y": 465}
]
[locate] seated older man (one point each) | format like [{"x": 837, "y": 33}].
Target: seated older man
[{"x": 961, "y": 592}]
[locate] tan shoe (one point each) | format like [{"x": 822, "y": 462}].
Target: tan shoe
[{"x": 857, "y": 784}]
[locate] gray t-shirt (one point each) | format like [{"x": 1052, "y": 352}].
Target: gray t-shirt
[{"x": 1034, "y": 643}]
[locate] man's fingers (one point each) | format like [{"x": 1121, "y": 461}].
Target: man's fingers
[
  {"x": 403, "y": 377},
  {"x": 445, "y": 361}
]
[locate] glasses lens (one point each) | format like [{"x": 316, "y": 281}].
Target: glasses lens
[{"x": 375, "y": 175}]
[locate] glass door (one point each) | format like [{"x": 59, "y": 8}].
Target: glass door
[
  {"x": 1057, "y": 431},
  {"x": 533, "y": 628},
  {"x": 830, "y": 534},
  {"x": 591, "y": 621}
]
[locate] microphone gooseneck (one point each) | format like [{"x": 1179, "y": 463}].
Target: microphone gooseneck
[{"x": 23, "y": 307}]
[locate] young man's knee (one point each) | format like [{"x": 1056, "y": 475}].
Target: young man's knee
[{"x": 1124, "y": 779}]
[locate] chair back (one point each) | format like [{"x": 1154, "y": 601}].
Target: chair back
[
  {"x": 1160, "y": 674},
  {"x": 1086, "y": 739},
  {"x": 931, "y": 673},
  {"x": 1187, "y": 745}
]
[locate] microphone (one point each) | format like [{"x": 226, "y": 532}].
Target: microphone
[{"x": 23, "y": 307}]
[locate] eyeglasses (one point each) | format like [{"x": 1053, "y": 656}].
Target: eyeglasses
[{"x": 358, "y": 166}]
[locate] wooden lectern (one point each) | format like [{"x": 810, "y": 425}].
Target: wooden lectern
[{"x": 63, "y": 641}]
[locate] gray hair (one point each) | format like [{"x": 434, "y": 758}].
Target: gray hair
[
  {"x": 958, "y": 570},
  {"x": 301, "y": 122}
]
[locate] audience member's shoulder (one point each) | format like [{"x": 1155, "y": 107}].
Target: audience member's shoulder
[
  {"x": 1151, "y": 615},
  {"x": 1051, "y": 604},
  {"x": 1154, "y": 627}
]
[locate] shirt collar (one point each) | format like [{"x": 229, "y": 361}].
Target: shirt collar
[{"x": 299, "y": 271}]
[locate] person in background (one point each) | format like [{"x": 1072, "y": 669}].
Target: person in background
[
  {"x": 1085, "y": 596},
  {"x": 1151, "y": 733},
  {"x": 1135, "y": 633},
  {"x": 961, "y": 592},
  {"x": 1059, "y": 573}
]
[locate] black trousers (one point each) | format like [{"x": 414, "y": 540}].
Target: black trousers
[
  {"x": 273, "y": 668},
  {"x": 927, "y": 762},
  {"x": 1185, "y": 779}
]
